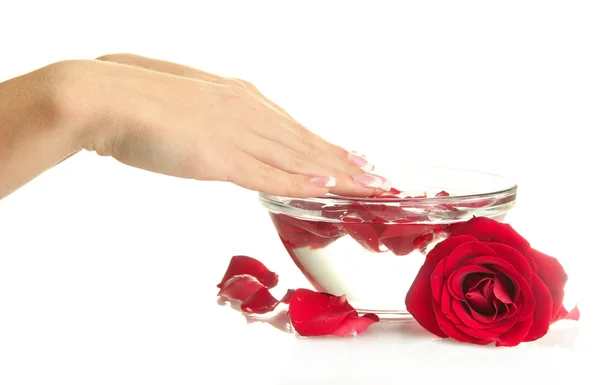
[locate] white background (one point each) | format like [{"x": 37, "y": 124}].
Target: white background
[{"x": 108, "y": 274}]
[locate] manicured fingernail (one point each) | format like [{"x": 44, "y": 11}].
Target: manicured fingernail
[
  {"x": 360, "y": 161},
  {"x": 323, "y": 181},
  {"x": 373, "y": 181}
]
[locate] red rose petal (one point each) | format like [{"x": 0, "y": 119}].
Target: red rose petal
[
  {"x": 297, "y": 233},
  {"x": 574, "y": 314},
  {"x": 422, "y": 242},
  {"x": 442, "y": 194},
  {"x": 437, "y": 281},
  {"x": 354, "y": 325},
  {"x": 462, "y": 312},
  {"x": 489, "y": 230},
  {"x": 563, "y": 314},
  {"x": 366, "y": 234},
  {"x": 446, "y": 308},
  {"x": 288, "y": 295},
  {"x": 501, "y": 291},
  {"x": 506, "y": 318},
  {"x": 516, "y": 334},
  {"x": 261, "y": 302},
  {"x": 316, "y": 314},
  {"x": 449, "y": 329},
  {"x": 456, "y": 280},
  {"x": 240, "y": 287},
  {"x": 444, "y": 248},
  {"x": 463, "y": 253},
  {"x": 402, "y": 239},
  {"x": 395, "y": 191},
  {"x": 482, "y": 308},
  {"x": 387, "y": 212},
  {"x": 243, "y": 265},
  {"x": 542, "y": 315},
  {"x": 513, "y": 256},
  {"x": 419, "y": 300},
  {"x": 553, "y": 275},
  {"x": 399, "y": 245}
]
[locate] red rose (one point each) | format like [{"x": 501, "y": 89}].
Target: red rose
[{"x": 485, "y": 284}]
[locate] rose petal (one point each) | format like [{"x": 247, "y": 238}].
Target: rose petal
[
  {"x": 446, "y": 308},
  {"x": 501, "y": 291},
  {"x": 490, "y": 331},
  {"x": 563, "y": 314},
  {"x": 353, "y": 325},
  {"x": 456, "y": 281},
  {"x": 244, "y": 265},
  {"x": 542, "y": 314},
  {"x": 506, "y": 317},
  {"x": 316, "y": 314},
  {"x": 574, "y": 314},
  {"x": 442, "y": 194},
  {"x": 464, "y": 252},
  {"x": 449, "y": 329},
  {"x": 261, "y": 302},
  {"x": 419, "y": 302},
  {"x": 422, "y": 242},
  {"x": 297, "y": 233},
  {"x": 553, "y": 275},
  {"x": 386, "y": 212},
  {"x": 287, "y": 296},
  {"x": 516, "y": 334},
  {"x": 445, "y": 247},
  {"x": 463, "y": 313},
  {"x": 240, "y": 287},
  {"x": 438, "y": 281},
  {"x": 481, "y": 307},
  {"x": 366, "y": 234},
  {"x": 399, "y": 245},
  {"x": 513, "y": 256},
  {"x": 403, "y": 238},
  {"x": 489, "y": 230}
]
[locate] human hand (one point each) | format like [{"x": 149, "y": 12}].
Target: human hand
[{"x": 179, "y": 121}]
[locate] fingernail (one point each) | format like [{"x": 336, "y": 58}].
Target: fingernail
[
  {"x": 359, "y": 160},
  {"x": 373, "y": 181},
  {"x": 323, "y": 181}
]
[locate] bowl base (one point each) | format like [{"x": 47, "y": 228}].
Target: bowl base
[{"x": 388, "y": 314}]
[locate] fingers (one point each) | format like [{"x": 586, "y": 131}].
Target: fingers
[
  {"x": 248, "y": 172},
  {"x": 290, "y": 161},
  {"x": 285, "y": 132}
]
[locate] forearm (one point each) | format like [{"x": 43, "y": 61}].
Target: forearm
[{"x": 36, "y": 130}]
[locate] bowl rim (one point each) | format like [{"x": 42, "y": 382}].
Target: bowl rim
[{"x": 332, "y": 199}]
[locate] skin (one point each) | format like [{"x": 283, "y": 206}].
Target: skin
[{"x": 170, "y": 119}]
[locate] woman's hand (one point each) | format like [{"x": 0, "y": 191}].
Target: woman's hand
[
  {"x": 188, "y": 123},
  {"x": 179, "y": 121}
]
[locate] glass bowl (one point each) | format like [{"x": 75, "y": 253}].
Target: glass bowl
[{"x": 370, "y": 249}]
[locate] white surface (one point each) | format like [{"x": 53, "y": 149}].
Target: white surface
[{"x": 108, "y": 274}]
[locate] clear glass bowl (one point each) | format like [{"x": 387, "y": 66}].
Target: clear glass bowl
[{"x": 370, "y": 249}]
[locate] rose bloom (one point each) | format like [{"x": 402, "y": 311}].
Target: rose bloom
[{"x": 485, "y": 284}]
